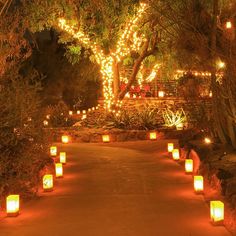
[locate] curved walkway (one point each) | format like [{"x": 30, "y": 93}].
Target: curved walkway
[{"x": 117, "y": 189}]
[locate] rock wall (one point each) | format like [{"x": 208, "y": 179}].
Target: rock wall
[{"x": 196, "y": 110}]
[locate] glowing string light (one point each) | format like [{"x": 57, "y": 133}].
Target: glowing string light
[{"x": 130, "y": 40}]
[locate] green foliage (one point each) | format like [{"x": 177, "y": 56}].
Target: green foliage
[
  {"x": 73, "y": 54},
  {"x": 148, "y": 117},
  {"x": 126, "y": 120},
  {"x": 129, "y": 61},
  {"x": 144, "y": 118},
  {"x": 149, "y": 61},
  {"x": 59, "y": 116},
  {"x": 23, "y": 147}
]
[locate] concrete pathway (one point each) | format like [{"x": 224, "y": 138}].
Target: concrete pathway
[{"x": 117, "y": 189}]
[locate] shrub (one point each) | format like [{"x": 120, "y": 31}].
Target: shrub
[
  {"x": 147, "y": 117},
  {"x": 23, "y": 146},
  {"x": 59, "y": 115}
]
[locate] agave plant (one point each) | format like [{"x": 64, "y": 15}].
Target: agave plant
[
  {"x": 174, "y": 118},
  {"x": 148, "y": 117}
]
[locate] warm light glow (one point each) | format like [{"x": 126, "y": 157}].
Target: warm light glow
[
  {"x": 210, "y": 94},
  {"x": 65, "y": 139},
  {"x": 161, "y": 94},
  {"x": 70, "y": 113},
  {"x": 180, "y": 126},
  {"x": 13, "y": 205},
  {"x": 175, "y": 154},
  {"x": 106, "y": 138},
  {"x": 59, "y": 169},
  {"x": 48, "y": 182},
  {"x": 130, "y": 40},
  {"x": 63, "y": 157},
  {"x": 220, "y": 64},
  {"x": 188, "y": 166},
  {"x": 217, "y": 211},
  {"x": 78, "y": 112},
  {"x": 198, "y": 184},
  {"x": 228, "y": 25},
  {"x": 174, "y": 118},
  {"x": 45, "y": 123},
  {"x": 84, "y": 117},
  {"x": 153, "y": 136},
  {"x": 170, "y": 147},
  {"x": 53, "y": 151},
  {"x": 207, "y": 140},
  {"x": 84, "y": 112}
]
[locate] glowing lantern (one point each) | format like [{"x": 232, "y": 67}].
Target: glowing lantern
[
  {"x": 207, "y": 140},
  {"x": 93, "y": 108},
  {"x": 84, "y": 117},
  {"x": 78, "y": 112},
  {"x": 89, "y": 109},
  {"x": 217, "y": 211},
  {"x": 70, "y": 113},
  {"x": 45, "y": 123},
  {"x": 180, "y": 126},
  {"x": 53, "y": 151},
  {"x": 48, "y": 117},
  {"x": 175, "y": 154},
  {"x": 48, "y": 183},
  {"x": 161, "y": 94},
  {"x": 228, "y": 25},
  {"x": 63, "y": 157},
  {"x": 59, "y": 169},
  {"x": 153, "y": 136},
  {"x": 84, "y": 112},
  {"x": 198, "y": 184},
  {"x": 170, "y": 147},
  {"x": 188, "y": 166},
  {"x": 210, "y": 94},
  {"x": 13, "y": 205},
  {"x": 220, "y": 64},
  {"x": 106, "y": 138},
  {"x": 65, "y": 139}
]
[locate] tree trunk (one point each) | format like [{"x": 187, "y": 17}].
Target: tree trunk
[
  {"x": 216, "y": 97},
  {"x": 145, "y": 53},
  {"x": 116, "y": 79}
]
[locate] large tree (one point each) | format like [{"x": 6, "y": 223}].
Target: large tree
[{"x": 203, "y": 41}]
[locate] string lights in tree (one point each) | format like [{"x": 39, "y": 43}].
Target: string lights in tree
[{"x": 129, "y": 41}]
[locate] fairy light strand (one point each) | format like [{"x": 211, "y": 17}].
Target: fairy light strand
[{"x": 130, "y": 40}]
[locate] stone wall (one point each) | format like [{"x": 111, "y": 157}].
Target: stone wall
[
  {"x": 86, "y": 135},
  {"x": 197, "y": 110}
]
